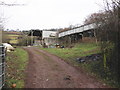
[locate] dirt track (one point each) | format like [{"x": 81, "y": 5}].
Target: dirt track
[{"x": 48, "y": 71}]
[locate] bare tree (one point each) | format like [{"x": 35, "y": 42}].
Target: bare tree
[{"x": 3, "y": 37}]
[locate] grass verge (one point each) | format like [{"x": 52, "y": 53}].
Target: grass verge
[{"x": 16, "y": 62}]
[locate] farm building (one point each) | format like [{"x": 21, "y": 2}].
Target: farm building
[
  {"x": 49, "y": 38},
  {"x": 77, "y": 34},
  {"x": 44, "y": 37}
]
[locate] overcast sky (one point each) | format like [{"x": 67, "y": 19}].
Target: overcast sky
[{"x": 46, "y": 14}]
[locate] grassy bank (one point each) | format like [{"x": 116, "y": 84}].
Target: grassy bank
[
  {"x": 16, "y": 63},
  {"x": 79, "y": 50}
]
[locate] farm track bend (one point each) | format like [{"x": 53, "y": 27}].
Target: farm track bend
[{"x": 45, "y": 70}]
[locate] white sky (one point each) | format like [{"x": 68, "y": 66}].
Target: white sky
[{"x": 46, "y": 14}]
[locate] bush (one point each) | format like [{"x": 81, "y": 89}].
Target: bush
[{"x": 109, "y": 34}]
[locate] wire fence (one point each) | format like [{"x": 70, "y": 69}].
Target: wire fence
[{"x": 2, "y": 66}]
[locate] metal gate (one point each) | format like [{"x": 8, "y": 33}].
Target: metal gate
[{"x": 2, "y": 66}]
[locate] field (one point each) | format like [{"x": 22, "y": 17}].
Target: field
[
  {"x": 16, "y": 64},
  {"x": 13, "y": 38}
]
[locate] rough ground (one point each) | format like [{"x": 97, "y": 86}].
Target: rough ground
[{"x": 45, "y": 70}]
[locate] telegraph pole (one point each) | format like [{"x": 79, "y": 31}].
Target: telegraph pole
[{"x": 31, "y": 37}]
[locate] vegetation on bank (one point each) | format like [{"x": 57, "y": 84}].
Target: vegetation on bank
[
  {"x": 16, "y": 62},
  {"x": 108, "y": 33}
]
